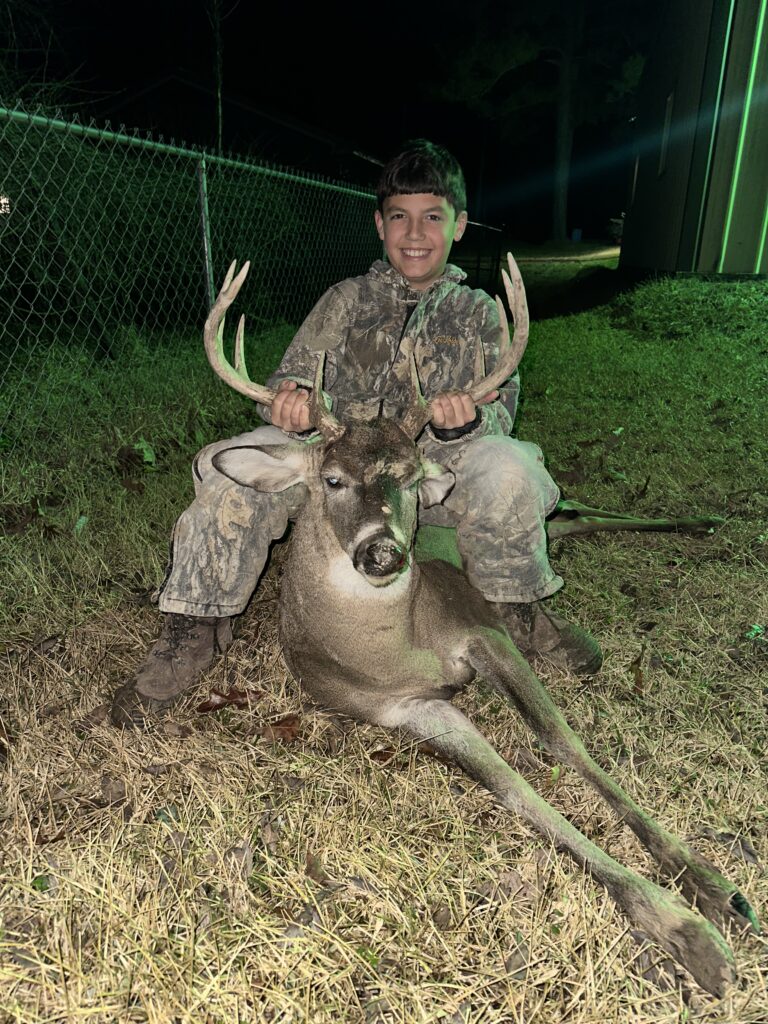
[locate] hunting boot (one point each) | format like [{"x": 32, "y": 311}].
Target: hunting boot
[
  {"x": 187, "y": 646},
  {"x": 538, "y": 632}
]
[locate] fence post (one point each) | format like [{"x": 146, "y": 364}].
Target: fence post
[{"x": 205, "y": 225}]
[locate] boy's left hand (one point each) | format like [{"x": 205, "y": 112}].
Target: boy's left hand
[{"x": 453, "y": 409}]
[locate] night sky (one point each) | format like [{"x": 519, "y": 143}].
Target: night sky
[
  {"x": 365, "y": 74},
  {"x": 294, "y": 58}
]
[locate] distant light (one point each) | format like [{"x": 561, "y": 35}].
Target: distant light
[
  {"x": 5, "y": 204},
  {"x": 370, "y": 159}
]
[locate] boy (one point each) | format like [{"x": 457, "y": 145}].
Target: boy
[{"x": 368, "y": 327}]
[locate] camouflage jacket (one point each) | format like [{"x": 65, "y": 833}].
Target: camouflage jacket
[{"x": 368, "y": 326}]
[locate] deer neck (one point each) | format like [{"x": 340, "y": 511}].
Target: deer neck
[{"x": 322, "y": 582}]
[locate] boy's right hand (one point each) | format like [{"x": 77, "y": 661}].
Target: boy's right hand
[{"x": 289, "y": 410}]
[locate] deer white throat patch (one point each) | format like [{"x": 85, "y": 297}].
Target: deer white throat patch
[{"x": 343, "y": 576}]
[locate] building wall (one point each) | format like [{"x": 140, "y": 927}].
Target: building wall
[
  {"x": 734, "y": 225},
  {"x": 701, "y": 186}
]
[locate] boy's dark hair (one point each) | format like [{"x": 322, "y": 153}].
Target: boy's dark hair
[{"x": 423, "y": 166}]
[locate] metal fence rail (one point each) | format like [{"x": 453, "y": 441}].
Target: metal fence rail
[{"x": 103, "y": 234}]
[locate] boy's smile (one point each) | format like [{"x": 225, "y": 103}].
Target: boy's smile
[{"x": 417, "y": 232}]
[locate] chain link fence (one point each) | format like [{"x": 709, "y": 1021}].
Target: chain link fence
[{"x": 106, "y": 235}]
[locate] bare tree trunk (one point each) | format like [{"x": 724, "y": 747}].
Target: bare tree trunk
[
  {"x": 214, "y": 16},
  {"x": 566, "y": 88}
]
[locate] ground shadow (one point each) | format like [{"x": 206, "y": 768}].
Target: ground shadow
[{"x": 560, "y": 295}]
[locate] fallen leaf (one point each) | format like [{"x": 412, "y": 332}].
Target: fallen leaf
[
  {"x": 648, "y": 626},
  {"x": 176, "y": 731},
  {"x": 239, "y": 698},
  {"x": 314, "y": 868},
  {"x": 383, "y": 756},
  {"x": 736, "y": 844},
  {"x": 360, "y": 884},
  {"x": 285, "y": 730},
  {"x": 52, "y": 710},
  {"x": 642, "y": 489},
  {"x": 516, "y": 964},
  {"x": 506, "y": 885},
  {"x": 293, "y": 783},
  {"x": 41, "y": 840},
  {"x": 442, "y": 917},
  {"x": 134, "y": 486},
  {"x": 48, "y": 645},
  {"x": 576, "y": 474},
  {"x": 270, "y": 836},
  {"x": 307, "y": 919},
  {"x": 425, "y": 747},
  {"x": 97, "y": 716},
  {"x": 112, "y": 791},
  {"x": 463, "y": 1014},
  {"x": 171, "y": 865},
  {"x": 162, "y": 769},
  {"x": 636, "y": 668},
  {"x": 128, "y": 458},
  {"x": 736, "y": 654},
  {"x": 167, "y": 815},
  {"x": 239, "y": 859},
  {"x": 25, "y": 957}
]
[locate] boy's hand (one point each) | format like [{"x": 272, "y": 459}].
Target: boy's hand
[
  {"x": 453, "y": 409},
  {"x": 289, "y": 409}
]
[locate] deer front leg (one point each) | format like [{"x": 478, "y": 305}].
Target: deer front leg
[
  {"x": 497, "y": 660},
  {"x": 686, "y": 936}
]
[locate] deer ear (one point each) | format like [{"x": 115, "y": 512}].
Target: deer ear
[
  {"x": 270, "y": 468},
  {"x": 436, "y": 485}
]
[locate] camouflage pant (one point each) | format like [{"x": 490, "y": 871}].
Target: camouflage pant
[{"x": 502, "y": 495}]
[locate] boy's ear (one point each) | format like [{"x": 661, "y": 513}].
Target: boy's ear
[
  {"x": 379, "y": 224},
  {"x": 461, "y": 225}
]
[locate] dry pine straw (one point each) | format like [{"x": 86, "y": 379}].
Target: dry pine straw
[{"x": 214, "y": 870}]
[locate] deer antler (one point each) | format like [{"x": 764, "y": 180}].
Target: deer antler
[
  {"x": 419, "y": 411},
  {"x": 237, "y": 376},
  {"x": 510, "y": 351},
  {"x": 322, "y": 417},
  {"x": 213, "y": 333}
]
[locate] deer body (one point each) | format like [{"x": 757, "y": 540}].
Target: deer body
[{"x": 370, "y": 633}]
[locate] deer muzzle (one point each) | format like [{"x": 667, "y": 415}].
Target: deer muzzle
[{"x": 380, "y": 555}]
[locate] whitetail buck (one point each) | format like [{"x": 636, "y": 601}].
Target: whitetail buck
[{"x": 370, "y": 633}]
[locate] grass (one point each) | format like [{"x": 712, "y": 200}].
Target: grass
[{"x": 269, "y": 863}]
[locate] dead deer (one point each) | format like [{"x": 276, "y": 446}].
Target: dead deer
[{"x": 371, "y": 634}]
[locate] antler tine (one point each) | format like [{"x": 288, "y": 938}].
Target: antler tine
[
  {"x": 320, "y": 415},
  {"x": 418, "y": 412},
  {"x": 510, "y": 352},
  {"x": 213, "y": 334}
]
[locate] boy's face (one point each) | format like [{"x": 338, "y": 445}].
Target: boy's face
[{"x": 417, "y": 232}]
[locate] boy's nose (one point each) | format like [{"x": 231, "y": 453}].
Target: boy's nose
[{"x": 415, "y": 230}]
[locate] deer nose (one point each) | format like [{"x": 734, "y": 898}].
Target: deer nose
[{"x": 380, "y": 555}]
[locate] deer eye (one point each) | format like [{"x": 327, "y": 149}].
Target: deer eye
[{"x": 333, "y": 481}]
